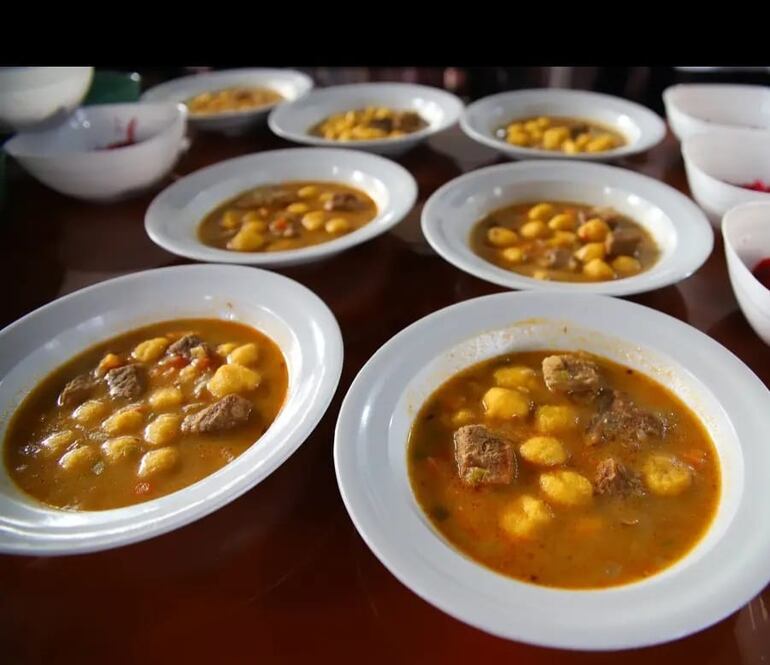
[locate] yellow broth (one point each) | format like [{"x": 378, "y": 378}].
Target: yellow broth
[
  {"x": 289, "y": 215},
  {"x": 239, "y": 98},
  {"x": 109, "y": 475},
  {"x": 368, "y": 124},
  {"x": 607, "y": 540},
  {"x": 564, "y": 241},
  {"x": 568, "y": 135}
]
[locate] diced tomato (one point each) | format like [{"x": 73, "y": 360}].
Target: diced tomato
[{"x": 757, "y": 186}]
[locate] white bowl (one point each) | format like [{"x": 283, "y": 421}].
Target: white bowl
[
  {"x": 31, "y": 96},
  {"x": 69, "y": 157},
  {"x": 681, "y": 231},
  {"x": 291, "y": 315},
  {"x": 173, "y": 218},
  {"x": 642, "y": 128},
  {"x": 438, "y": 108},
  {"x": 729, "y": 566},
  {"x": 693, "y": 108},
  {"x": 717, "y": 159},
  {"x": 746, "y": 232},
  {"x": 288, "y": 82}
]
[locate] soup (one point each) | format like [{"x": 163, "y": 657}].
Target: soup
[
  {"x": 563, "y": 469},
  {"x": 569, "y": 135},
  {"x": 145, "y": 414},
  {"x": 563, "y": 241},
  {"x": 291, "y": 215},
  {"x": 369, "y": 123},
  {"x": 239, "y": 98}
]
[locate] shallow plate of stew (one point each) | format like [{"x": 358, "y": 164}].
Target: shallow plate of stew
[
  {"x": 282, "y": 207},
  {"x": 386, "y": 118},
  {"x": 232, "y": 100},
  {"x": 138, "y": 405},
  {"x": 558, "y": 225},
  {"x": 565, "y": 470},
  {"x": 573, "y": 124}
]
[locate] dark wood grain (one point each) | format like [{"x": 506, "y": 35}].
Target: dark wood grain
[{"x": 280, "y": 575}]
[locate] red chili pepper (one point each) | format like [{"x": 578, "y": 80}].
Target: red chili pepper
[
  {"x": 762, "y": 272},
  {"x": 757, "y": 186},
  {"x": 130, "y": 137}
]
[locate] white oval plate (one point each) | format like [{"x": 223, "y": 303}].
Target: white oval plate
[
  {"x": 680, "y": 229},
  {"x": 174, "y": 215},
  {"x": 291, "y": 315},
  {"x": 642, "y": 128},
  {"x": 370, "y": 459},
  {"x": 288, "y": 82},
  {"x": 439, "y": 108}
]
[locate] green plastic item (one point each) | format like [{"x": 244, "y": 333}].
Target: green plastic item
[{"x": 109, "y": 87}]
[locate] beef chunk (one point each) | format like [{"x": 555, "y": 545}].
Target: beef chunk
[
  {"x": 266, "y": 196},
  {"x": 343, "y": 201},
  {"x": 612, "y": 477},
  {"x": 571, "y": 374},
  {"x": 76, "y": 391},
  {"x": 227, "y": 413},
  {"x": 284, "y": 226},
  {"x": 622, "y": 240},
  {"x": 483, "y": 457},
  {"x": 558, "y": 258},
  {"x": 385, "y": 124},
  {"x": 184, "y": 346},
  {"x": 623, "y": 421},
  {"x": 578, "y": 129},
  {"x": 409, "y": 121},
  {"x": 125, "y": 382}
]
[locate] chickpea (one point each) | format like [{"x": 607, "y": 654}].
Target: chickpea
[
  {"x": 501, "y": 236},
  {"x": 246, "y": 354},
  {"x": 80, "y": 459},
  {"x": 626, "y": 265},
  {"x": 554, "y": 137},
  {"x": 307, "y": 192},
  {"x": 230, "y": 220},
  {"x": 513, "y": 255},
  {"x": 516, "y": 377},
  {"x": 525, "y": 516},
  {"x": 337, "y": 225},
  {"x": 544, "y": 451},
  {"x": 666, "y": 475},
  {"x": 313, "y": 220},
  {"x": 550, "y": 418},
  {"x": 591, "y": 251},
  {"x": 564, "y": 221},
  {"x": 521, "y": 139},
  {"x": 504, "y": 403},
  {"x": 598, "y": 270},
  {"x": 567, "y": 488},
  {"x": 541, "y": 211},
  {"x": 298, "y": 208},
  {"x": 594, "y": 230},
  {"x": 563, "y": 239},
  {"x": 533, "y": 230}
]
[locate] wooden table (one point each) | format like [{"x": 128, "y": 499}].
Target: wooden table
[{"x": 281, "y": 575}]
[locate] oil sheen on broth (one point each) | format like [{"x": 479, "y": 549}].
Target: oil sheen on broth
[
  {"x": 563, "y": 469},
  {"x": 145, "y": 414}
]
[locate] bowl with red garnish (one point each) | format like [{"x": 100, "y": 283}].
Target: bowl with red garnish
[
  {"x": 727, "y": 167},
  {"x": 746, "y": 232},
  {"x": 105, "y": 152}
]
